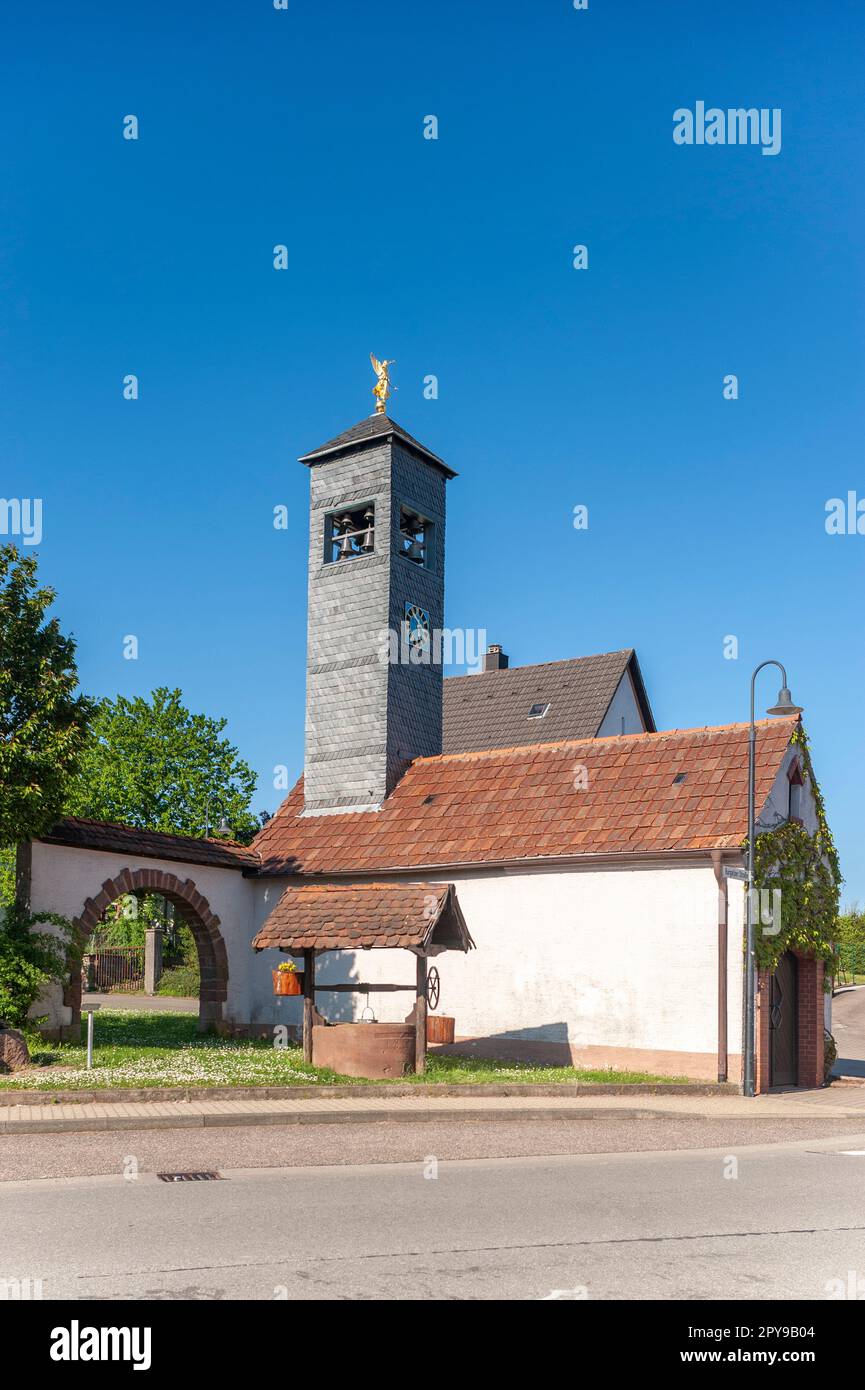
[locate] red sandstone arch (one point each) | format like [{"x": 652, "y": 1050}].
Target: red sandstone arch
[{"x": 196, "y": 913}]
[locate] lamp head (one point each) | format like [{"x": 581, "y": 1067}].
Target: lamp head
[{"x": 785, "y": 703}]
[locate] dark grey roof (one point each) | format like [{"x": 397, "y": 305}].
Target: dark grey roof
[
  {"x": 374, "y": 427},
  {"x": 80, "y": 833},
  {"x": 490, "y": 710}
]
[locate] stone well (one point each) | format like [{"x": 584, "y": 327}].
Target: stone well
[{"x": 377, "y": 1050}]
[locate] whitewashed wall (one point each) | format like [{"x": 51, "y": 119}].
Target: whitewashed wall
[
  {"x": 623, "y": 715},
  {"x": 778, "y": 800},
  {"x": 63, "y": 878},
  {"x": 623, "y": 959}
]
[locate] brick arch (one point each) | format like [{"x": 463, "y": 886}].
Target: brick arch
[{"x": 196, "y": 913}]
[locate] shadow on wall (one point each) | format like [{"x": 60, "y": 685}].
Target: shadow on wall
[
  {"x": 340, "y": 1007},
  {"x": 338, "y": 967},
  {"x": 849, "y": 1066},
  {"x": 546, "y": 1045}
]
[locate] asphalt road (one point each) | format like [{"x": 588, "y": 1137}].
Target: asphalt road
[
  {"x": 848, "y": 1028},
  {"x": 664, "y": 1225},
  {"x": 28, "y": 1156}
]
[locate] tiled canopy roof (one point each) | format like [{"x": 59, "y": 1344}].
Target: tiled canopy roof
[
  {"x": 491, "y": 709},
  {"x": 530, "y": 803},
  {"x": 150, "y": 844},
  {"x": 371, "y": 430},
  {"x": 424, "y": 917}
]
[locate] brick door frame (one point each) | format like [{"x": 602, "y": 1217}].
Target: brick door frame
[
  {"x": 809, "y": 1020},
  {"x": 195, "y": 912}
]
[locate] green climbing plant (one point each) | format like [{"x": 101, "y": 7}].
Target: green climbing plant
[{"x": 806, "y": 869}]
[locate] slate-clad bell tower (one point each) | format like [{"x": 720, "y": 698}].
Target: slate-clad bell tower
[{"x": 376, "y": 603}]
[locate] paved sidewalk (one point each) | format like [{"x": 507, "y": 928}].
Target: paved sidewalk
[{"x": 836, "y": 1102}]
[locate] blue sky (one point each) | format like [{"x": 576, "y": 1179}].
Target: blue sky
[{"x": 557, "y": 387}]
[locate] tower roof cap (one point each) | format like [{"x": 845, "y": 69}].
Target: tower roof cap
[{"x": 375, "y": 429}]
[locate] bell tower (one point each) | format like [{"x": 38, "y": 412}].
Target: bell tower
[{"x": 376, "y": 612}]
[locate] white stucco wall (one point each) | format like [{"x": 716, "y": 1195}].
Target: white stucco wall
[
  {"x": 778, "y": 800},
  {"x": 625, "y": 958},
  {"x": 621, "y": 958},
  {"x": 623, "y": 715},
  {"x": 63, "y": 878}
]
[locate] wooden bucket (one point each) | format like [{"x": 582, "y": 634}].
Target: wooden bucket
[{"x": 439, "y": 1028}]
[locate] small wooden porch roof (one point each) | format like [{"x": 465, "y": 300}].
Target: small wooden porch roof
[{"x": 421, "y": 917}]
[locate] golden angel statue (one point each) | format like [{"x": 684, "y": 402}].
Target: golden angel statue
[{"x": 381, "y": 390}]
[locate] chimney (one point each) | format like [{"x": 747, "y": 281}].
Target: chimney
[{"x": 495, "y": 659}]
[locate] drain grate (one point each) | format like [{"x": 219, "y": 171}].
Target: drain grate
[{"x": 190, "y": 1177}]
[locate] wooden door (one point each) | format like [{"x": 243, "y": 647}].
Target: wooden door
[{"x": 783, "y": 1032}]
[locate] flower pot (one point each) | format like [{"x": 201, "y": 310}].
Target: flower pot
[
  {"x": 439, "y": 1028},
  {"x": 287, "y": 981}
]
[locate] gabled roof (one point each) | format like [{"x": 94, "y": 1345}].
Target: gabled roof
[
  {"x": 421, "y": 917},
  {"x": 111, "y": 836},
  {"x": 491, "y": 709},
  {"x": 374, "y": 428},
  {"x": 608, "y": 796}
]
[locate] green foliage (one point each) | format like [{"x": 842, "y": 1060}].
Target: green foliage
[
  {"x": 152, "y": 764},
  {"x": 43, "y": 723},
  {"x": 137, "y": 913},
  {"x": 29, "y": 958},
  {"x": 806, "y": 869},
  {"x": 850, "y": 928},
  {"x": 7, "y": 878},
  {"x": 183, "y": 981}
]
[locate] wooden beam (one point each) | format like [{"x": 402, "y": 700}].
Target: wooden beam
[
  {"x": 420, "y": 1018},
  {"x": 308, "y": 1002},
  {"x": 363, "y": 989}
]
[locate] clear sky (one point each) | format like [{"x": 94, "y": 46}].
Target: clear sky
[{"x": 557, "y": 387}]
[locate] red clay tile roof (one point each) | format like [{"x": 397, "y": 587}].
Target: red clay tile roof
[
  {"x": 150, "y": 844},
  {"x": 522, "y": 804},
  {"x": 337, "y": 917}
]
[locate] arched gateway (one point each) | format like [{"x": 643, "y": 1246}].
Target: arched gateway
[
  {"x": 83, "y": 866},
  {"x": 195, "y": 912}
]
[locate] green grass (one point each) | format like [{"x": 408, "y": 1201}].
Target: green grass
[{"x": 134, "y": 1049}]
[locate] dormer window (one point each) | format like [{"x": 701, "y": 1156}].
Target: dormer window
[
  {"x": 349, "y": 533},
  {"x": 415, "y": 537},
  {"x": 795, "y": 782},
  {"x": 538, "y": 711}
]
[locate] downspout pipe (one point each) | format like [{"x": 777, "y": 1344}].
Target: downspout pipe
[{"x": 722, "y": 963}]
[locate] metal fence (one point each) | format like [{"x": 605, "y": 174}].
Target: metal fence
[{"x": 113, "y": 968}]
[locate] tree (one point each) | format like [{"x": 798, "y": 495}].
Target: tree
[
  {"x": 7, "y": 878},
  {"x": 153, "y": 764},
  {"x": 850, "y": 930},
  {"x": 43, "y": 723},
  {"x": 29, "y": 958}
]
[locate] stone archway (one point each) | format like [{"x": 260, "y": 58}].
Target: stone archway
[{"x": 196, "y": 913}]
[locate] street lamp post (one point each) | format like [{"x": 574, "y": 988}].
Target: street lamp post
[
  {"x": 784, "y": 705},
  {"x": 223, "y": 828}
]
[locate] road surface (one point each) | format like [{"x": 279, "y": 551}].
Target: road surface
[
  {"x": 672, "y": 1224},
  {"x": 848, "y": 1028}
]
